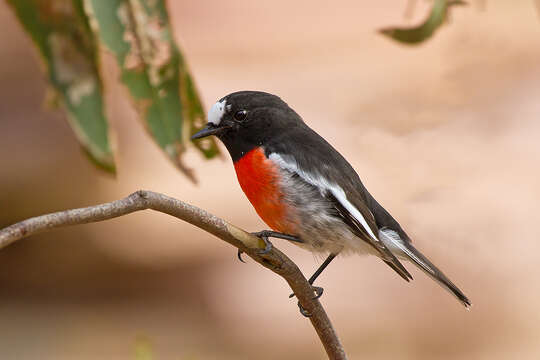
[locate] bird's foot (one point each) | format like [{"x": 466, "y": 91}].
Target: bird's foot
[
  {"x": 318, "y": 291},
  {"x": 303, "y": 311},
  {"x": 269, "y": 233},
  {"x": 264, "y": 235},
  {"x": 240, "y": 252}
]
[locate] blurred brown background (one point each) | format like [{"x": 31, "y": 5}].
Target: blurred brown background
[{"x": 445, "y": 135}]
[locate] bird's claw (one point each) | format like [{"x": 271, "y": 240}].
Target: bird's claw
[
  {"x": 267, "y": 244},
  {"x": 240, "y": 252},
  {"x": 318, "y": 293},
  {"x": 317, "y": 290},
  {"x": 263, "y": 235},
  {"x": 303, "y": 311}
]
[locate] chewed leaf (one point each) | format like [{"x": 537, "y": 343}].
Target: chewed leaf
[
  {"x": 420, "y": 33},
  {"x": 139, "y": 34},
  {"x": 60, "y": 30}
]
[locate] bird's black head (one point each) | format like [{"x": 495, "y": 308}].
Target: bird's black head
[{"x": 247, "y": 119}]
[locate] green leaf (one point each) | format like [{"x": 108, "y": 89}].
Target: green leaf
[
  {"x": 139, "y": 34},
  {"x": 60, "y": 30},
  {"x": 422, "y": 32}
]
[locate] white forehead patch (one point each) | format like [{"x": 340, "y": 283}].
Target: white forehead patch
[{"x": 216, "y": 112}]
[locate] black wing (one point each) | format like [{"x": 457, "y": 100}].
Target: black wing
[
  {"x": 315, "y": 155},
  {"x": 378, "y": 245}
]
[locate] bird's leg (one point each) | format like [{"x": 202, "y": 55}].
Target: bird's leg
[
  {"x": 264, "y": 235},
  {"x": 318, "y": 290},
  {"x": 321, "y": 268},
  {"x": 269, "y": 233}
]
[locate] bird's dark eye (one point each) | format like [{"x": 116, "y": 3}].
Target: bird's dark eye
[{"x": 240, "y": 115}]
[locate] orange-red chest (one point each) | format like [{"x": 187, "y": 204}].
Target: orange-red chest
[{"x": 259, "y": 179}]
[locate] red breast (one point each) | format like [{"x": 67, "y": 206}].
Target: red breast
[{"x": 259, "y": 179}]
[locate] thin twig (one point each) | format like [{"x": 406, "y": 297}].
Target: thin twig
[{"x": 274, "y": 260}]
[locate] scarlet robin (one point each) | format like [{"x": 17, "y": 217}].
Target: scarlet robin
[{"x": 305, "y": 190}]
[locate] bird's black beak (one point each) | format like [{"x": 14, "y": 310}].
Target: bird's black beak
[{"x": 209, "y": 129}]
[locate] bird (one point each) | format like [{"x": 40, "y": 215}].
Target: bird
[{"x": 305, "y": 190}]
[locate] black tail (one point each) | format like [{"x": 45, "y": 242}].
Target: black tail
[
  {"x": 427, "y": 266},
  {"x": 405, "y": 275}
]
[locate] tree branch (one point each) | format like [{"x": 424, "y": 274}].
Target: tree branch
[{"x": 274, "y": 260}]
